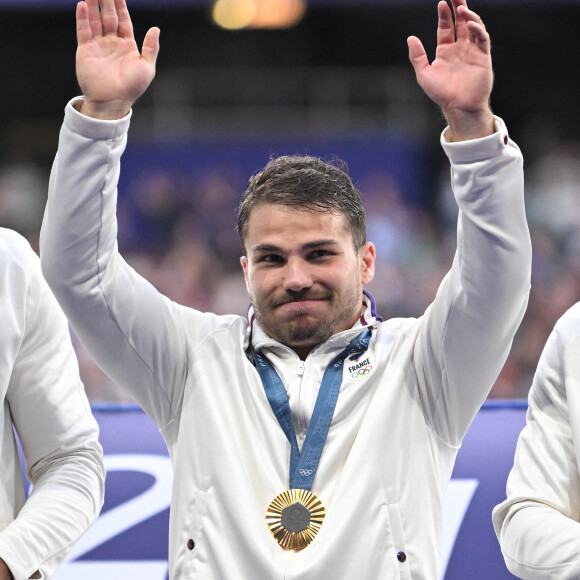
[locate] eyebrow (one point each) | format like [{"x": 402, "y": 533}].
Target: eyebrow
[{"x": 308, "y": 246}]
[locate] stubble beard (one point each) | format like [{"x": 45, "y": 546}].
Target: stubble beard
[{"x": 301, "y": 331}]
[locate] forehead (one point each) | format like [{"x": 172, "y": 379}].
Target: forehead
[{"x": 285, "y": 225}]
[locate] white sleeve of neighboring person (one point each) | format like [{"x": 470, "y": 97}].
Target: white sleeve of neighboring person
[
  {"x": 46, "y": 402},
  {"x": 467, "y": 332},
  {"x": 537, "y": 525}
]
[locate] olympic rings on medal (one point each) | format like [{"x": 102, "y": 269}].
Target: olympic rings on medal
[{"x": 305, "y": 472}]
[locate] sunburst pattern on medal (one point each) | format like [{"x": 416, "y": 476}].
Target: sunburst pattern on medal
[{"x": 299, "y": 540}]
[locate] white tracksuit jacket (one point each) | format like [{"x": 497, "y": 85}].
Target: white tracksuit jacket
[
  {"x": 395, "y": 433},
  {"x": 537, "y": 524},
  {"x": 41, "y": 394}
]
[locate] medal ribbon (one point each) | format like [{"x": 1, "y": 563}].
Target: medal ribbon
[{"x": 303, "y": 465}]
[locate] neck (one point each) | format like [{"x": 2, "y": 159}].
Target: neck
[{"x": 303, "y": 352}]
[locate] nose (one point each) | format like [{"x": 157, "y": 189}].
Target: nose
[{"x": 297, "y": 275}]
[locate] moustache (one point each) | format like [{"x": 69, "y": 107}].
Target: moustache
[{"x": 297, "y": 297}]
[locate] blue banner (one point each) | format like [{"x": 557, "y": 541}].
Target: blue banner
[{"x": 129, "y": 540}]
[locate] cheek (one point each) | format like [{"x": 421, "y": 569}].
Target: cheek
[
  {"x": 246, "y": 279},
  {"x": 257, "y": 285},
  {"x": 348, "y": 275},
  {"x": 250, "y": 284}
]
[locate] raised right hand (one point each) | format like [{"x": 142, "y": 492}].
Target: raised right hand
[{"x": 111, "y": 72}]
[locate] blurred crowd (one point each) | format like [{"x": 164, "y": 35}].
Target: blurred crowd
[{"x": 178, "y": 230}]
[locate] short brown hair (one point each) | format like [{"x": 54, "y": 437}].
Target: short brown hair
[{"x": 307, "y": 183}]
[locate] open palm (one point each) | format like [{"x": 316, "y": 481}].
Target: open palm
[
  {"x": 111, "y": 71},
  {"x": 461, "y": 77}
]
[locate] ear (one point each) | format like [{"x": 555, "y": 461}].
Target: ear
[
  {"x": 367, "y": 255},
  {"x": 244, "y": 263}
]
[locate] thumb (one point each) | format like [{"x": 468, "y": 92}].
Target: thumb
[{"x": 151, "y": 46}]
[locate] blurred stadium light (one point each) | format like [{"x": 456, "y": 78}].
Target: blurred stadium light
[{"x": 236, "y": 14}]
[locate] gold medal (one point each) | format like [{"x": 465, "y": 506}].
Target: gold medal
[{"x": 294, "y": 518}]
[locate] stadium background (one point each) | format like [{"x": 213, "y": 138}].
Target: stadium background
[{"x": 337, "y": 83}]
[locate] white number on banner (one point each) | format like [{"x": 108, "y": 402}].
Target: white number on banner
[
  {"x": 157, "y": 498},
  {"x": 121, "y": 518}
]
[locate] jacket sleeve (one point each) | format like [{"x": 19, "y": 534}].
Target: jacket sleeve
[
  {"x": 132, "y": 331},
  {"x": 537, "y": 525},
  {"x": 466, "y": 333},
  {"x": 58, "y": 433}
]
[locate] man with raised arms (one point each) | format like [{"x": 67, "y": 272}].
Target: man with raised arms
[{"x": 288, "y": 465}]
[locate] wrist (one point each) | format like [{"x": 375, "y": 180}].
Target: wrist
[
  {"x": 467, "y": 125},
  {"x": 109, "y": 111}
]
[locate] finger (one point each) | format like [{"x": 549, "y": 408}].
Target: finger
[
  {"x": 479, "y": 34},
  {"x": 417, "y": 54},
  {"x": 460, "y": 24},
  {"x": 94, "y": 17},
  {"x": 468, "y": 15},
  {"x": 84, "y": 32},
  {"x": 109, "y": 17},
  {"x": 445, "y": 28},
  {"x": 475, "y": 27},
  {"x": 125, "y": 26},
  {"x": 151, "y": 46}
]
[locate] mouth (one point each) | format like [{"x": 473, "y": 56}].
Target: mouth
[{"x": 303, "y": 301}]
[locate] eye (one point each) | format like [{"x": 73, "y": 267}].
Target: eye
[
  {"x": 320, "y": 254},
  {"x": 270, "y": 259}
]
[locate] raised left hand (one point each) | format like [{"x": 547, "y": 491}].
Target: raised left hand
[{"x": 460, "y": 78}]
